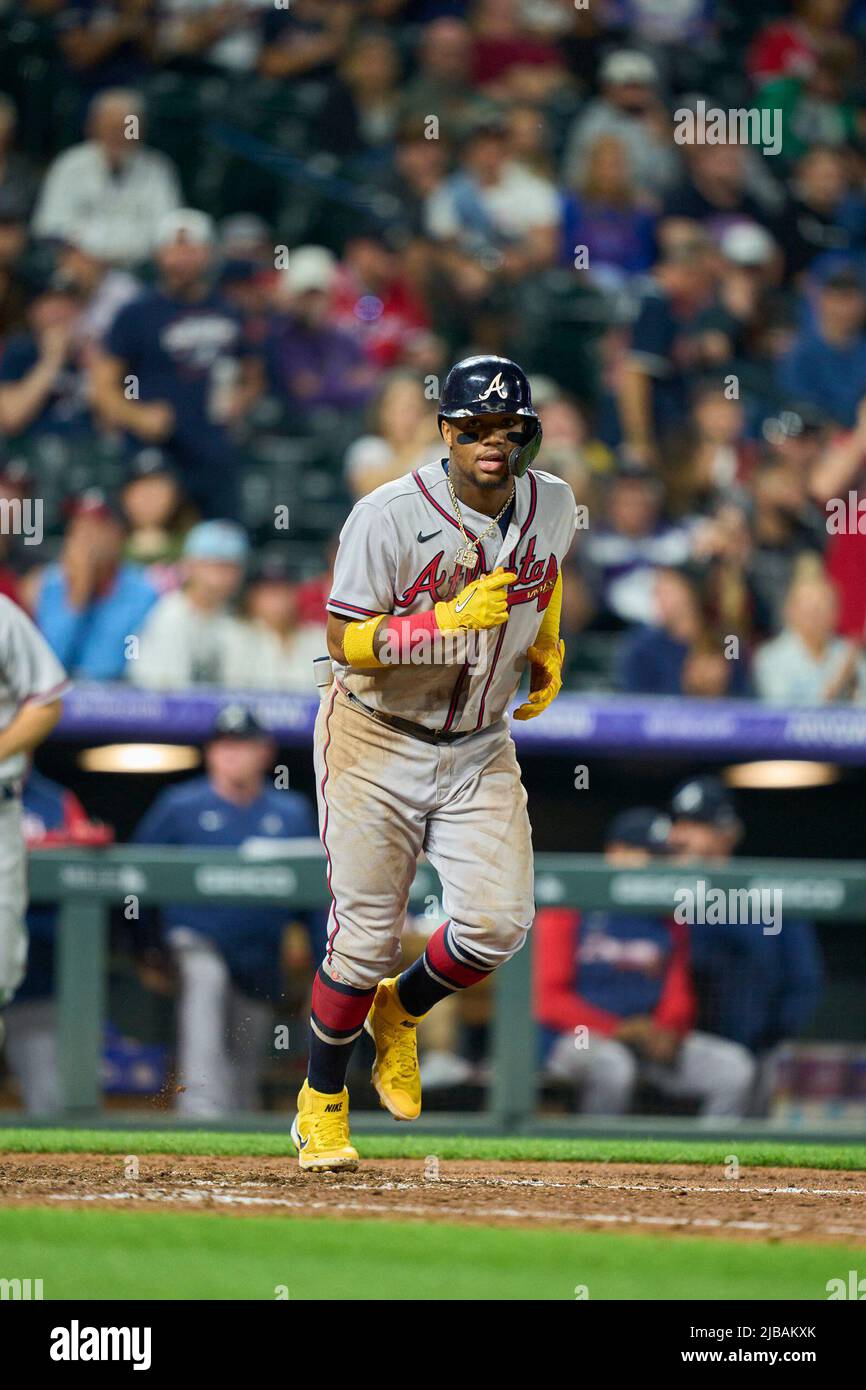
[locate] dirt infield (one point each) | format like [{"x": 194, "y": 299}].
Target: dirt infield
[{"x": 766, "y": 1204}]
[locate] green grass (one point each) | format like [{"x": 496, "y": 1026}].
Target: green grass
[
  {"x": 167, "y": 1255},
  {"x": 751, "y": 1152}
]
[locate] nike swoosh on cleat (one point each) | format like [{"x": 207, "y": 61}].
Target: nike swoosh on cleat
[{"x": 423, "y": 538}]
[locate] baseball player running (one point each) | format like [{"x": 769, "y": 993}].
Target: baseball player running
[
  {"x": 32, "y": 682},
  {"x": 447, "y": 585}
]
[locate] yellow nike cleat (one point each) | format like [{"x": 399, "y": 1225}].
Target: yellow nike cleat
[
  {"x": 320, "y": 1130},
  {"x": 395, "y": 1070}
]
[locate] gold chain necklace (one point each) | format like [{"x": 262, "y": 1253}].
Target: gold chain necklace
[{"x": 468, "y": 554}]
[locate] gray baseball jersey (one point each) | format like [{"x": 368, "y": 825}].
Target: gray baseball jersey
[
  {"x": 397, "y": 555},
  {"x": 29, "y": 674}
]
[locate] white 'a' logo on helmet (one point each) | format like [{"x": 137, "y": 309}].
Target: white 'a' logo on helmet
[{"x": 497, "y": 385}]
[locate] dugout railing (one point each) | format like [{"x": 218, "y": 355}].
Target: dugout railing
[{"x": 87, "y": 884}]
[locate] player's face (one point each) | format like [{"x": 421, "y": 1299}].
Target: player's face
[
  {"x": 480, "y": 447},
  {"x": 239, "y": 761},
  {"x": 691, "y": 839}
]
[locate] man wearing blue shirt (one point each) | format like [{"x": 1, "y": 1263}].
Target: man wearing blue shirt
[
  {"x": 90, "y": 604},
  {"x": 762, "y": 989},
  {"x": 175, "y": 369},
  {"x": 827, "y": 364},
  {"x": 228, "y": 957}
]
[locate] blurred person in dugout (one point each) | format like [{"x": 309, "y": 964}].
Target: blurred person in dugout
[
  {"x": 615, "y": 996},
  {"x": 757, "y": 989},
  {"x": 229, "y": 959},
  {"x": 53, "y": 819}
]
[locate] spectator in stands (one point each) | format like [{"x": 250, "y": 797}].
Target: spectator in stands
[
  {"x": 607, "y": 219},
  {"x": 837, "y": 472},
  {"x": 493, "y": 213},
  {"x": 176, "y": 370},
  {"x": 113, "y": 178},
  {"x": 678, "y": 654},
  {"x": 807, "y": 664},
  {"x": 54, "y": 818},
  {"x": 108, "y": 45},
  {"x": 306, "y": 41},
  {"x": 361, "y": 115},
  {"x": 228, "y": 957},
  {"x": 509, "y": 62},
  {"x": 615, "y": 995},
  {"x": 404, "y": 436},
  {"x": 442, "y": 85},
  {"x": 631, "y": 540},
  {"x": 711, "y": 460},
  {"x": 192, "y": 636},
  {"x": 757, "y": 989},
  {"x": 827, "y": 364},
  {"x": 157, "y": 516},
  {"x": 418, "y": 168},
  {"x": 42, "y": 371},
  {"x": 314, "y": 364},
  {"x": 84, "y": 264},
  {"x": 280, "y": 648},
  {"x": 787, "y": 530},
  {"x": 814, "y": 104},
  {"x": 91, "y": 604},
  {"x": 713, "y": 195},
  {"x": 821, "y": 215},
  {"x": 630, "y": 108},
  {"x": 224, "y": 36},
  {"x": 372, "y": 301},
  {"x": 791, "y": 45},
  {"x": 674, "y": 339}
]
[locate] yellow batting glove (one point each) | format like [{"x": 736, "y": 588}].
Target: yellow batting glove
[
  {"x": 483, "y": 603},
  {"x": 546, "y": 680}
]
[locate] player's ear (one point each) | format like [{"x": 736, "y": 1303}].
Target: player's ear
[{"x": 447, "y": 432}]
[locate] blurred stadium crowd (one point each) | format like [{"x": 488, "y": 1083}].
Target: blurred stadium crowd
[{"x": 240, "y": 243}]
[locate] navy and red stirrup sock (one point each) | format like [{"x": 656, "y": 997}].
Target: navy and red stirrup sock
[
  {"x": 336, "y": 1020},
  {"x": 443, "y": 968}
]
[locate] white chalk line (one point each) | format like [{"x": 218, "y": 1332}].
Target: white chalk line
[{"x": 199, "y": 1195}]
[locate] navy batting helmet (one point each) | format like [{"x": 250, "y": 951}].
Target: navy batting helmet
[{"x": 494, "y": 386}]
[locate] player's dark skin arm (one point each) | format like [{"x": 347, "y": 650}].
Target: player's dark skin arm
[{"x": 31, "y": 725}]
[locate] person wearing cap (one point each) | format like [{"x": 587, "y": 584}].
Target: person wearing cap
[
  {"x": 629, "y": 106},
  {"x": 614, "y": 995},
  {"x": 176, "y": 369},
  {"x": 827, "y": 362},
  {"x": 228, "y": 958},
  {"x": 193, "y": 636},
  {"x": 280, "y": 647},
  {"x": 314, "y": 364},
  {"x": 91, "y": 604},
  {"x": 756, "y": 990},
  {"x": 114, "y": 178}
]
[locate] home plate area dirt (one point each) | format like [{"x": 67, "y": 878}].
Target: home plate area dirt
[{"x": 766, "y": 1204}]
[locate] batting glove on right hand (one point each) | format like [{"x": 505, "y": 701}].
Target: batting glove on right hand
[{"x": 483, "y": 603}]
